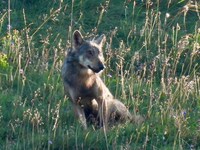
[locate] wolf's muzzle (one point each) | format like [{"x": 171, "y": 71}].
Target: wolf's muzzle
[
  {"x": 97, "y": 70},
  {"x": 101, "y": 67}
]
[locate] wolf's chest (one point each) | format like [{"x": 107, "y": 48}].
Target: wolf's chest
[{"x": 87, "y": 91}]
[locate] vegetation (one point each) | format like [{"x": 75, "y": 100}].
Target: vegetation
[{"x": 152, "y": 57}]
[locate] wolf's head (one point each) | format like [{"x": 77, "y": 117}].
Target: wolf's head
[{"x": 89, "y": 53}]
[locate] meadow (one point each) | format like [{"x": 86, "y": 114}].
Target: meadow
[{"x": 152, "y": 63}]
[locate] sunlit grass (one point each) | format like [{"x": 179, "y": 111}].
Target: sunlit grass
[{"x": 152, "y": 58}]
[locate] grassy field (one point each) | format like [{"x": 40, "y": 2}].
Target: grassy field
[{"x": 153, "y": 66}]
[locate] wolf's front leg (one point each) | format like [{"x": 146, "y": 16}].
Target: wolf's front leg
[
  {"x": 79, "y": 112},
  {"x": 103, "y": 114}
]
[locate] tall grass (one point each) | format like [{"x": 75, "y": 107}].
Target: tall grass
[{"x": 152, "y": 59}]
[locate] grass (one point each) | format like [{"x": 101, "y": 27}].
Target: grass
[{"x": 152, "y": 58}]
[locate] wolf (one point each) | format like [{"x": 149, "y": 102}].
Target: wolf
[{"x": 82, "y": 84}]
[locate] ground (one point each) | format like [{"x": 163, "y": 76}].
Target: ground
[{"x": 152, "y": 59}]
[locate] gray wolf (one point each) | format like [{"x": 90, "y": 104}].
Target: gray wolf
[{"x": 82, "y": 83}]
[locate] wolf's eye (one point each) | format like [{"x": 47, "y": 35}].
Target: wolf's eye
[{"x": 90, "y": 52}]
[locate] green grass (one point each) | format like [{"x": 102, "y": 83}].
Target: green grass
[{"x": 152, "y": 64}]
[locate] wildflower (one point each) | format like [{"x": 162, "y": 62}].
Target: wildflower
[
  {"x": 9, "y": 27},
  {"x": 12, "y": 44},
  {"x": 167, "y": 15},
  {"x": 184, "y": 114},
  {"x": 109, "y": 75},
  {"x": 192, "y": 147},
  {"x": 50, "y": 142}
]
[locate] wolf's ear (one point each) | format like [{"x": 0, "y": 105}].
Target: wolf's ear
[
  {"x": 78, "y": 39},
  {"x": 101, "y": 40}
]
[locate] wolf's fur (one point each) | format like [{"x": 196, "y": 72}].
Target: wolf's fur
[{"x": 82, "y": 83}]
